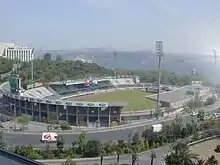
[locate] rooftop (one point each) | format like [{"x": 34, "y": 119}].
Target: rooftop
[{"x": 173, "y": 96}]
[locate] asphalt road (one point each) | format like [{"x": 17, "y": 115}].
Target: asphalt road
[
  {"x": 34, "y": 139},
  {"x": 26, "y": 138}
]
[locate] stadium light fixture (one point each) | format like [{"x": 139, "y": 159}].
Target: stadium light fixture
[{"x": 159, "y": 54}]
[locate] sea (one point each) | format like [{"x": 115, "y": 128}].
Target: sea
[{"x": 147, "y": 60}]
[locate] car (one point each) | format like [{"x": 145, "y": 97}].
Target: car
[
  {"x": 194, "y": 113},
  {"x": 205, "y": 118},
  {"x": 215, "y": 115}
]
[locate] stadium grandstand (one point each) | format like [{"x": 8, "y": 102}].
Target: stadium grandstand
[{"x": 43, "y": 100}]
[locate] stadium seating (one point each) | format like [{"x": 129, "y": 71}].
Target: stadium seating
[
  {"x": 39, "y": 92},
  {"x": 65, "y": 89},
  {"x": 120, "y": 82},
  {"x": 81, "y": 87}
]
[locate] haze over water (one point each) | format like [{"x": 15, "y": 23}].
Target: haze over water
[{"x": 145, "y": 60}]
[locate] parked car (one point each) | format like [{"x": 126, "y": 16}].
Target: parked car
[{"x": 194, "y": 113}]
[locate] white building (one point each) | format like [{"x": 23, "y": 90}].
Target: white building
[{"x": 15, "y": 52}]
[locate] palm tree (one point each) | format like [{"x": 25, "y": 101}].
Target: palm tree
[
  {"x": 181, "y": 155},
  {"x": 211, "y": 161},
  {"x": 118, "y": 149},
  {"x": 102, "y": 153},
  {"x": 134, "y": 153},
  {"x": 146, "y": 134},
  {"x": 200, "y": 162},
  {"x": 153, "y": 156}
]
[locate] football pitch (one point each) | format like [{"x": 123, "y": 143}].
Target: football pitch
[{"x": 135, "y": 99}]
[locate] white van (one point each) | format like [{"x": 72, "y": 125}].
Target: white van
[{"x": 49, "y": 137}]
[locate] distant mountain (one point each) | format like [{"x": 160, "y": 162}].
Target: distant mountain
[{"x": 142, "y": 59}]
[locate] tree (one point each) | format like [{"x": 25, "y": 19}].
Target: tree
[
  {"x": 136, "y": 147},
  {"x": 47, "y": 152},
  {"x": 60, "y": 143},
  {"x": 47, "y": 71},
  {"x": 181, "y": 155},
  {"x": 193, "y": 104},
  {"x": 65, "y": 126},
  {"x": 23, "y": 121},
  {"x": 52, "y": 119},
  {"x": 134, "y": 152},
  {"x": 92, "y": 149},
  {"x": 31, "y": 153},
  {"x": 157, "y": 113},
  {"x": 187, "y": 109},
  {"x": 153, "y": 156},
  {"x": 82, "y": 141},
  {"x": 211, "y": 161},
  {"x": 210, "y": 100},
  {"x": 69, "y": 161},
  {"x": 102, "y": 153},
  {"x": 201, "y": 114},
  {"x": 6, "y": 65},
  {"x": 119, "y": 149}
]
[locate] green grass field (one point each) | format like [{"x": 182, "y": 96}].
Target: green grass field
[{"x": 134, "y": 98}]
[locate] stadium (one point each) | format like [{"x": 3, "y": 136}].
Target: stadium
[
  {"x": 95, "y": 102},
  {"x": 91, "y": 102}
]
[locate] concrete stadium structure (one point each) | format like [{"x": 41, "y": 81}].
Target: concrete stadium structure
[
  {"x": 42, "y": 103},
  {"x": 176, "y": 99}
]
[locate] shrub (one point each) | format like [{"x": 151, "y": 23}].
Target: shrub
[
  {"x": 69, "y": 161},
  {"x": 65, "y": 126},
  {"x": 217, "y": 149}
]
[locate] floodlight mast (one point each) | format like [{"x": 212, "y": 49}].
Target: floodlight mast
[
  {"x": 215, "y": 55},
  {"x": 115, "y": 58},
  {"x": 159, "y": 54}
]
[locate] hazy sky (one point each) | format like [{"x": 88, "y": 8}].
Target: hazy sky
[{"x": 183, "y": 25}]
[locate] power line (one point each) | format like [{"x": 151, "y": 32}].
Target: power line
[{"x": 159, "y": 54}]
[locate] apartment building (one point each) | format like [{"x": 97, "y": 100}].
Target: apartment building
[{"x": 16, "y": 52}]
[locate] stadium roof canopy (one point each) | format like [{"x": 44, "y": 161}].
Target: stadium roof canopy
[
  {"x": 7, "y": 158},
  {"x": 117, "y": 104}
]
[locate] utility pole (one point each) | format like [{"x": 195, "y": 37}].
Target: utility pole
[{"x": 159, "y": 54}]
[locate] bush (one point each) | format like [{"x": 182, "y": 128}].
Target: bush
[
  {"x": 217, "y": 149},
  {"x": 56, "y": 127},
  {"x": 69, "y": 161},
  {"x": 65, "y": 126}
]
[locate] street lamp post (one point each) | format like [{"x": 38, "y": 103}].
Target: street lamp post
[{"x": 159, "y": 54}]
